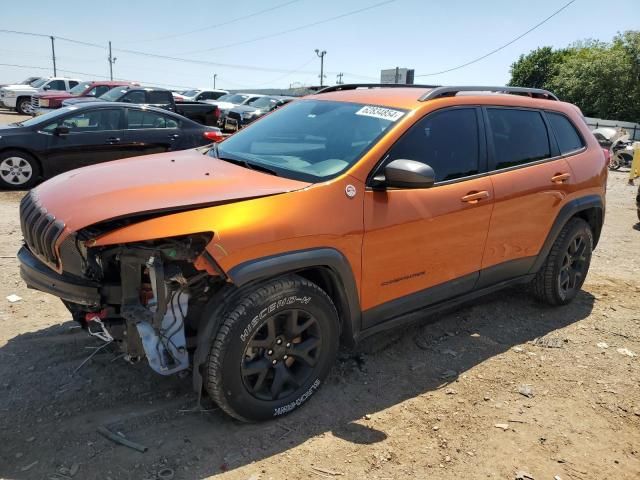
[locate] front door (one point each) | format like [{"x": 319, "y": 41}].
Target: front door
[
  {"x": 93, "y": 136},
  {"x": 422, "y": 246}
]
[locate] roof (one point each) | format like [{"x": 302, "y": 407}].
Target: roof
[{"x": 415, "y": 96}]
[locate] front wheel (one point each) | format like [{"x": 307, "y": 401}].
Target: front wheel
[
  {"x": 274, "y": 348},
  {"x": 23, "y": 106},
  {"x": 565, "y": 269},
  {"x": 18, "y": 170}
]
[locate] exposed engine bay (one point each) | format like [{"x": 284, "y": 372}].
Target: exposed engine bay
[{"x": 152, "y": 296}]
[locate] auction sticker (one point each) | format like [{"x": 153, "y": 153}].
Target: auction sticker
[{"x": 380, "y": 112}]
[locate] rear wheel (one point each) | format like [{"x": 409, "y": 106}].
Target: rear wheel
[
  {"x": 18, "y": 170},
  {"x": 565, "y": 269},
  {"x": 273, "y": 350}
]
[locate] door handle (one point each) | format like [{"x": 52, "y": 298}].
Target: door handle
[
  {"x": 560, "y": 177},
  {"x": 175, "y": 136},
  {"x": 113, "y": 140},
  {"x": 475, "y": 197}
]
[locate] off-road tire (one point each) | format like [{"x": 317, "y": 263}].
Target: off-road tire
[
  {"x": 24, "y": 179},
  {"x": 224, "y": 377},
  {"x": 546, "y": 285}
]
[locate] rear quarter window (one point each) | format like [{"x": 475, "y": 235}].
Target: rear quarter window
[{"x": 569, "y": 140}]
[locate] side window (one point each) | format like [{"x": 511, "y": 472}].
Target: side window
[
  {"x": 72, "y": 83},
  {"x": 100, "y": 90},
  {"x": 159, "y": 97},
  {"x": 93, "y": 121},
  {"x": 519, "y": 137},
  {"x": 205, "y": 96},
  {"x": 138, "y": 119},
  {"x": 569, "y": 140},
  {"x": 57, "y": 85},
  {"x": 135, "y": 96},
  {"x": 447, "y": 141}
]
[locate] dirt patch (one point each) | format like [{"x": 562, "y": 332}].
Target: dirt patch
[{"x": 500, "y": 386}]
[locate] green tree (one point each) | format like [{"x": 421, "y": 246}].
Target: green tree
[
  {"x": 603, "y": 79},
  {"x": 535, "y": 69}
]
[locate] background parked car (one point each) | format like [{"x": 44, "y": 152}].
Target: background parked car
[
  {"x": 157, "y": 97},
  {"x": 44, "y": 102},
  {"x": 227, "y": 102},
  {"x": 199, "y": 95},
  {"x": 242, "y": 115},
  {"x": 18, "y": 97},
  {"x": 92, "y": 132}
]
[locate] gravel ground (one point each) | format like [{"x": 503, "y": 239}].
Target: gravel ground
[{"x": 498, "y": 387}]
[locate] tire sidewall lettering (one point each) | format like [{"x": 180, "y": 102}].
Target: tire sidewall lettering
[{"x": 273, "y": 307}]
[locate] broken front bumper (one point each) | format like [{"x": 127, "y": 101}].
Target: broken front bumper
[{"x": 40, "y": 277}]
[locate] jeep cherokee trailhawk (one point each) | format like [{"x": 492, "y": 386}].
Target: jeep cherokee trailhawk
[{"x": 342, "y": 214}]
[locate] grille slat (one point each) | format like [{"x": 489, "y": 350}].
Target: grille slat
[{"x": 40, "y": 229}]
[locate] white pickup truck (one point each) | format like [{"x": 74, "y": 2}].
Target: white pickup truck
[{"x": 18, "y": 97}]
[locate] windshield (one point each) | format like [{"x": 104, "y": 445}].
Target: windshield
[
  {"x": 310, "y": 140},
  {"x": 190, "y": 93},
  {"x": 263, "y": 102},
  {"x": 113, "y": 94},
  {"x": 80, "y": 88},
  {"x": 46, "y": 117},
  {"x": 31, "y": 81},
  {"x": 39, "y": 82}
]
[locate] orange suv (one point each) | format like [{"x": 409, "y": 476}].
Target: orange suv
[{"x": 340, "y": 215}]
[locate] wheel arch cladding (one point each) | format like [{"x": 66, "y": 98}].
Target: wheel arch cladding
[
  {"x": 590, "y": 208},
  {"x": 326, "y": 267}
]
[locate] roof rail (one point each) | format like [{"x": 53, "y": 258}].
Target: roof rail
[
  {"x": 353, "y": 86},
  {"x": 439, "y": 92}
]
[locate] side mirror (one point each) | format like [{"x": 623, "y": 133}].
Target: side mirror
[
  {"x": 47, "y": 87},
  {"x": 61, "y": 131},
  {"x": 402, "y": 173}
]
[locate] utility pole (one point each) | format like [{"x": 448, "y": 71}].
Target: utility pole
[
  {"x": 321, "y": 54},
  {"x": 112, "y": 60},
  {"x": 339, "y": 79},
  {"x": 214, "y": 80},
  {"x": 53, "y": 55}
]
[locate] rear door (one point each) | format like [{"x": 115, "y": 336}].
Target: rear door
[
  {"x": 531, "y": 182},
  {"x": 94, "y": 137},
  {"x": 148, "y": 131}
]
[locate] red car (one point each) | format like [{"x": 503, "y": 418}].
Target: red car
[{"x": 44, "y": 102}]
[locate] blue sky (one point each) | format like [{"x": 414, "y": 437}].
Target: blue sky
[{"x": 425, "y": 35}]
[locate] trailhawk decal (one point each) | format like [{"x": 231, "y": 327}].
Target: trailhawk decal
[
  {"x": 283, "y": 302},
  {"x": 380, "y": 112},
  {"x": 296, "y": 403}
]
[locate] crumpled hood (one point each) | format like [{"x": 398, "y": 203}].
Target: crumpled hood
[{"x": 153, "y": 183}]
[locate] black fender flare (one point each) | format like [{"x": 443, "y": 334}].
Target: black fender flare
[
  {"x": 243, "y": 276},
  {"x": 332, "y": 260},
  {"x": 571, "y": 209}
]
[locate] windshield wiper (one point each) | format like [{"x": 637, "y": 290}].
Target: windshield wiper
[
  {"x": 243, "y": 163},
  {"x": 250, "y": 166}
]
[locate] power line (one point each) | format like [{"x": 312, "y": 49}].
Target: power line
[
  {"x": 501, "y": 47},
  {"x": 218, "y": 25},
  {"x": 283, "y": 32},
  {"x": 94, "y": 75}
]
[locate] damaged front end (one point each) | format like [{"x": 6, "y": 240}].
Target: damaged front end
[{"x": 144, "y": 297}]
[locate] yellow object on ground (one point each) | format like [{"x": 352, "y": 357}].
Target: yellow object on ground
[{"x": 635, "y": 163}]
